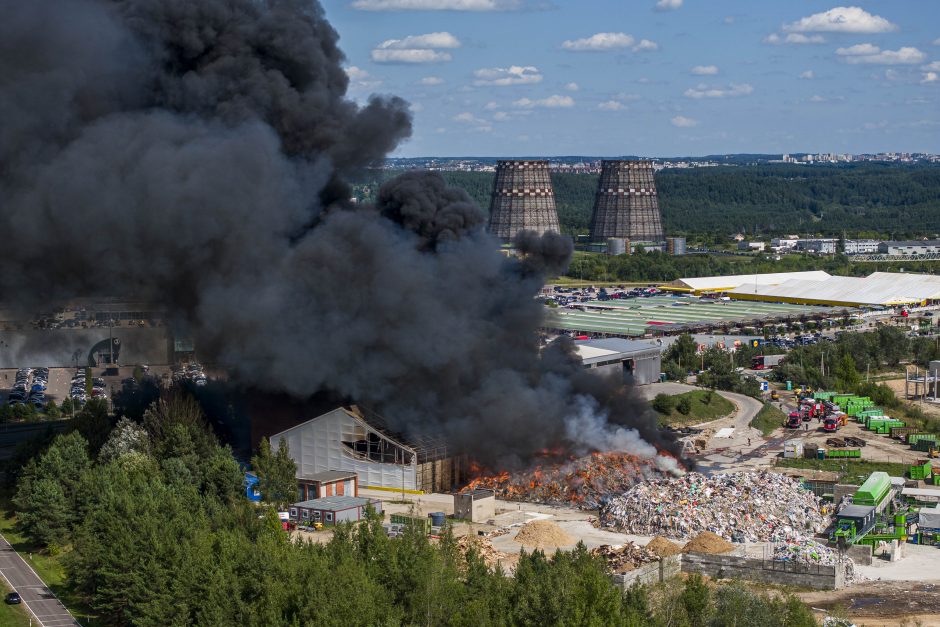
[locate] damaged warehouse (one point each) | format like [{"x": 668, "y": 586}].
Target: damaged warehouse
[{"x": 354, "y": 439}]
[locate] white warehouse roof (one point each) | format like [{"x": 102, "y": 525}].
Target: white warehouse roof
[
  {"x": 879, "y": 288},
  {"x": 724, "y": 283}
]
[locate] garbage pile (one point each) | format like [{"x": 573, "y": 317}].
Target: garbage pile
[
  {"x": 741, "y": 506},
  {"x": 624, "y": 558},
  {"x": 805, "y": 551},
  {"x": 483, "y": 547},
  {"x": 585, "y": 482}
]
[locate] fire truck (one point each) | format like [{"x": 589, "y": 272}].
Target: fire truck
[{"x": 794, "y": 420}]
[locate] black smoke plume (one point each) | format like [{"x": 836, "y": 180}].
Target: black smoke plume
[{"x": 196, "y": 153}]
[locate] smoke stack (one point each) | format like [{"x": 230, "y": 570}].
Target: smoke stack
[
  {"x": 626, "y": 204},
  {"x": 523, "y": 200}
]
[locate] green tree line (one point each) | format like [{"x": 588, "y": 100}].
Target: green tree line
[{"x": 863, "y": 199}]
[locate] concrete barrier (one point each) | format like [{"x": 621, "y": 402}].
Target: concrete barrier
[
  {"x": 765, "y": 571},
  {"x": 654, "y": 572}
]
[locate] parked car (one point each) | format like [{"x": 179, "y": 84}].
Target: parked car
[{"x": 13, "y": 598}]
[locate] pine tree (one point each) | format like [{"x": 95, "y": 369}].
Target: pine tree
[{"x": 277, "y": 473}]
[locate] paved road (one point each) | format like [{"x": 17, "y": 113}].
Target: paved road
[{"x": 36, "y": 595}]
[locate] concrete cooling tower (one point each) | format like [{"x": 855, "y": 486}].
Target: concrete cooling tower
[
  {"x": 626, "y": 204},
  {"x": 522, "y": 200}
]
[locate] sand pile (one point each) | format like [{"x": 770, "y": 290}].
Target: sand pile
[
  {"x": 542, "y": 533},
  {"x": 662, "y": 547},
  {"x": 708, "y": 542}
]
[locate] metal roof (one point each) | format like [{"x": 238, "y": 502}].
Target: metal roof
[
  {"x": 878, "y": 288},
  {"x": 330, "y": 476},
  {"x": 855, "y": 511},
  {"x": 705, "y": 283},
  {"x": 335, "y": 503}
]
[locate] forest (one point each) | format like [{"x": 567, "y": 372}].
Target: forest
[
  {"x": 861, "y": 200},
  {"x": 147, "y": 517}
]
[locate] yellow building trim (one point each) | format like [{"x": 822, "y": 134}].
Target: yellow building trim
[
  {"x": 384, "y": 489},
  {"x": 798, "y": 301}
]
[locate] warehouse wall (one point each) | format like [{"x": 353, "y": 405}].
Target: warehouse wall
[{"x": 766, "y": 571}]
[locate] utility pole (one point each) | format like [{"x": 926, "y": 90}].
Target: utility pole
[{"x": 111, "y": 334}]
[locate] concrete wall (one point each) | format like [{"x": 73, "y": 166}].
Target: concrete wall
[
  {"x": 63, "y": 348},
  {"x": 861, "y": 554},
  {"x": 655, "y": 572},
  {"x": 479, "y": 509},
  {"x": 765, "y": 571}
]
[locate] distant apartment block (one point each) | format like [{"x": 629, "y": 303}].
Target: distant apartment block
[{"x": 861, "y": 246}]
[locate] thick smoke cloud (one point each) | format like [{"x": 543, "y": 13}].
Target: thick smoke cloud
[{"x": 196, "y": 152}]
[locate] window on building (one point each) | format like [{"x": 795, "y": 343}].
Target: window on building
[
  {"x": 293, "y": 512},
  {"x": 316, "y": 515},
  {"x": 329, "y": 516},
  {"x": 306, "y": 514}
]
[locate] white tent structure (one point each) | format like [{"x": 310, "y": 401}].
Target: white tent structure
[
  {"x": 884, "y": 289},
  {"x": 698, "y": 285}
]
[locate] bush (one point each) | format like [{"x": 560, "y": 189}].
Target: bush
[
  {"x": 664, "y": 404},
  {"x": 684, "y": 406}
]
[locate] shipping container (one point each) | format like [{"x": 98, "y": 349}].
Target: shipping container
[{"x": 920, "y": 471}]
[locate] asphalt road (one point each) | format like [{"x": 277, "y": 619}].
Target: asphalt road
[{"x": 36, "y": 595}]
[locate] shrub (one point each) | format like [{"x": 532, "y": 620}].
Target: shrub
[
  {"x": 684, "y": 406},
  {"x": 664, "y": 404}
]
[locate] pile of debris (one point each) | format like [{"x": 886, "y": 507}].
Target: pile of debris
[
  {"x": 624, "y": 558},
  {"x": 752, "y": 506},
  {"x": 483, "y": 547},
  {"x": 708, "y": 542},
  {"x": 543, "y": 533},
  {"x": 663, "y": 547},
  {"x": 805, "y": 551},
  {"x": 585, "y": 482}
]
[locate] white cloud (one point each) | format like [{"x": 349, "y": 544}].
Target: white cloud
[
  {"x": 611, "y": 105},
  {"x": 794, "y": 38},
  {"x": 646, "y": 45},
  {"x": 500, "y": 116},
  {"x": 599, "y": 41},
  {"x": 868, "y": 53},
  {"x": 704, "y": 70},
  {"x": 683, "y": 122},
  {"x": 729, "y": 19},
  {"x": 668, "y": 5},
  {"x": 808, "y": 74},
  {"x": 704, "y": 91},
  {"x": 356, "y": 74},
  {"x": 513, "y": 75},
  {"x": 552, "y": 102},
  {"x": 360, "y": 79},
  {"x": 471, "y": 120},
  {"x": 436, "y": 5},
  {"x": 931, "y": 67},
  {"x": 409, "y": 56},
  {"x": 416, "y": 49},
  {"x": 818, "y": 98},
  {"x": 936, "y": 42},
  {"x": 929, "y": 77},
  {"x": 572, "y": 87},
  {"x": 841, "y": 20},
  {"x": 431, "y": 80},
  {"x": 491, "y": 106},
  {"x": 892, "y": 75}
]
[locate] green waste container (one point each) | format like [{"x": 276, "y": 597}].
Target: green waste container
[
  {"x": 789, "y": 385},
  {"x": 821, "y": 453}
]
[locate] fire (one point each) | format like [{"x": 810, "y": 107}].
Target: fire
[{"x": 584, "y": 482}]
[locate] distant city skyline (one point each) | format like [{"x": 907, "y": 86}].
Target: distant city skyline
[{"x": 664, "y": 77}]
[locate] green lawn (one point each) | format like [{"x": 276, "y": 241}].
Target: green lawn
[
  {"x": 768, "y": 419},
  {"x": 850, "y": 471},
  {"x": 700, "y": 411},
  {"x": 48, "y": 567},
  {"x": 12, "y": 615}
]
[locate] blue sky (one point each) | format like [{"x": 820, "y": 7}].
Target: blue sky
[{"x": 650, "y": 77}]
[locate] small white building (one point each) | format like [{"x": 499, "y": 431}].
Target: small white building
[
  {"x": 820, "y": 246},
  {"x": 752, "y": 246},
  {"x": 915, "y": 247},
  {"x": 861, "y": 246}
]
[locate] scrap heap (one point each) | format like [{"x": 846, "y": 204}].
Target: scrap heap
[
  {"x": 483, "y": 547},
  {"x": 758, "y": 506},
  {"x": 624, "y": 558},
  {"x": 585, "y": 482},
  {"x": 805, "y": 551}
]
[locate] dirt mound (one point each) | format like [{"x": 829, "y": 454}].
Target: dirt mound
[
  {"x": 708, "y": 542},
  {"x": 542, "y": 533},
  {"x": 663, "y": 547},
  {"x": 483, "y": 547}
]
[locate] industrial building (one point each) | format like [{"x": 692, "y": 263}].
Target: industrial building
[
  {"x": 879, "y": 289},
  {"x": 676, "y": 246},
  {"x": 638, "y": 362},
  {"x": 706, "y": 284},
  {"x": 626, "y": 204},
  {"x": 522, "y": 200},
  {"x": 915, "y": 247},
  {"x": 333, "y": 509},
  {"x": 330, "y": 483},
  {"x": 356, "y": 440},
  {"x": 861, "y": 246},
  {"x": 819, "y": 246},
  {"x": 475, "y": 506}
]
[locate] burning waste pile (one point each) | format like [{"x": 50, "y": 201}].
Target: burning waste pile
[
  {"x": 737, "y": 506},
  {"x": 585, "y": 482}
]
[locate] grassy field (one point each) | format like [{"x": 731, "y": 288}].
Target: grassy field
[
  {"x": 768, "y": 419},
  {"x": 48, "y": 567},
  {"x": 850, "y": 471},
  {"x": 701, "y": 411},
  {"x": 12, "y": 615}
]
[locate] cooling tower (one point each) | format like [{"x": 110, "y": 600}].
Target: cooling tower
[
  {"x": 523, "y": 199},
  {"x": 626, "y": 204}
]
